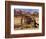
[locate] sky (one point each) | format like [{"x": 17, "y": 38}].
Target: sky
[{"x": 29, "y": 10}]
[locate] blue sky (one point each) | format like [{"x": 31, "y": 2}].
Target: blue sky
[{"x": 29, "y": 10}]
